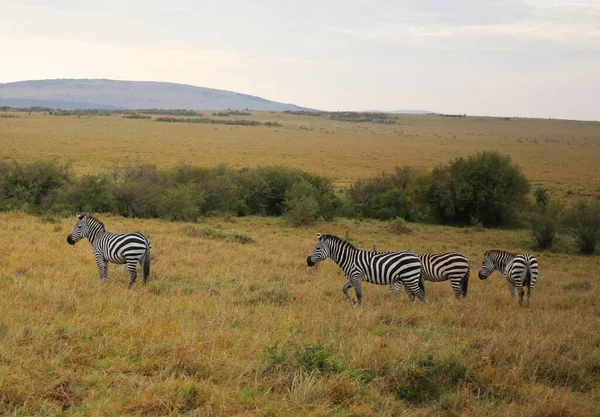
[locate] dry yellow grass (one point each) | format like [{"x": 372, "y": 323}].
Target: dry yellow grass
[
  {"x": 210, "y": 332},
  {"x": 560, "y": 155},
  {"x": 217, "y": 329}
]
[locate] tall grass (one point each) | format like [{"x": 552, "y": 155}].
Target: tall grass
[{"x": 224, "y": 328}]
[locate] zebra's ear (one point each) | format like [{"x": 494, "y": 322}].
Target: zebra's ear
[
  {"x": 319, "y": 236},
  {"x": 79, "y": 216}
]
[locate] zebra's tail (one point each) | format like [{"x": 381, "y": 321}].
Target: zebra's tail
[
  {"x": 422, "y": 282},
  {"x": 464, "y": 282},
  {"x": 147, "y": 264},
  {"x": 527, "y": 281}
]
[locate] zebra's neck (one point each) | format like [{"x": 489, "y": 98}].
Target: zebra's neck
[
  {"x": 344, "y": 254},
  {"x": 96, "y": 230},
  {"x": 501, "y": 259}
]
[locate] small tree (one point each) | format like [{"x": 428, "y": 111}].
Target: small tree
[
  {"x": 181, "y": 202},
  {"x": 544, "y": 218},
  {"x": 582, "y": 220},
  {"x": 486, "y": 187},
  {"x": 302, "y": 206}
]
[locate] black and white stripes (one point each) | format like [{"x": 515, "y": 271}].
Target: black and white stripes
[
  {"x": 126, "y": 248},
  {"x": 382, "y": 268},
  {"x": 519, "y": 270},
  {"x": 438, "y": 267}
]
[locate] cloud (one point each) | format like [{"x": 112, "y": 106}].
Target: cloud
[{"x": 566, "y": 23}]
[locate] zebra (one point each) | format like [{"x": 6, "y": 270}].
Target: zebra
[
  {"x": 122, "y": 248},
  {"x": 437, "y": 267},
  {"x": 382, "y": 268},
  {"x": 519, "y": 270}
]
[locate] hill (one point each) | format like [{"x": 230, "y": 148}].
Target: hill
[{"x": 71, "y": 94}]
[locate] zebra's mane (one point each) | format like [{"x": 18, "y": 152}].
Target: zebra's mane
[
  {"x": 335, "y": 239},
  {"x": 93, "y": 220},
  {"x": 500, "y": 252}
]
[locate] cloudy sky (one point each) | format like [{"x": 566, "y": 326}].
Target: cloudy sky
[{"x": 507, "y": 58}]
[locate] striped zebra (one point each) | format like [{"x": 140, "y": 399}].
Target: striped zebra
[
  {"x": 383, "y": 268},
  {"x": 519, "y": 270},
  {"x": 437, "y": 267},
  {"x": 122, "y": 248}
]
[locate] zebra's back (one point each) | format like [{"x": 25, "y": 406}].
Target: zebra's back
[
  {"x": 118, "y": 247},
  {"x": 385, "y": 268},
  {"x": 444, "y": 266}
]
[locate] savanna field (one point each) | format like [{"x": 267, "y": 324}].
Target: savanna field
[{"x": 233, "y": 322}]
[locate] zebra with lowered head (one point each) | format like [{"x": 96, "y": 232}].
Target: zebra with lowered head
[
  {"x": 119, "y": 248},
  {"x": 519, "y": 270},
  {"x": 383, "y": 268},
  {"x": 437, "y": 267}
]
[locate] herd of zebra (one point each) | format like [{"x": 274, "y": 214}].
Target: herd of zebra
[{"x": 395, "y": 268}]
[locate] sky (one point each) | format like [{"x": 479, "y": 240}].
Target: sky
[{"x": 479, "y": 57}]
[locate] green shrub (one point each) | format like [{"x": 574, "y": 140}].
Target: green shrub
[
  {"x": 385, "y": 196},
  {"x": 181, "y": 202},
  {"x": 274, "y": 183},
  {"x": 316, "y": 358},
  {"x": 427, "y": 379},
  {"x": 138, "y": 189},
  {"x": 31, "y": 185},
  {"x": 89, "y": 193},
  {"x": 545, "y": 219},
  {"x": 582, "y": 221},
  {"x": 399, "y": 227},
  {"x": 302, "y": 206},
  {"x": 485, "y": 187}
]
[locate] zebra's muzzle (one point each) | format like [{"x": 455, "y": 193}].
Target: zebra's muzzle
[
  {"x": 70, "y": 240},
  {"x": 481, "y": 276},
  {"x": 309, "y": 262}
]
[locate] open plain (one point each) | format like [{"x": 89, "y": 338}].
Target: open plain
[{"x": 230, "y": 326}]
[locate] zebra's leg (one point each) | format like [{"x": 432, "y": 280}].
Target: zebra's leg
[
  {"x": 132, "y": 268},
  {"x": 102, "y": 267},
  {"x": 345, "y": 288},
  {"x": 358, "y": 290},
  {"x": 420, "y": 293},
  {"x": 520, "y": 291},
  {"x": 396, "y": 287},
  {"x": 511, "y": 288},
  {"x": 411, "y": 295},
  {"x": 456, "y": 287},
  {"x": 529, "y": 289}
]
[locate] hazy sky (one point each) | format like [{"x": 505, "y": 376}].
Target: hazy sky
[{"x": 512, "y": 58}]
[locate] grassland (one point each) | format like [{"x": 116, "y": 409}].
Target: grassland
[
  {"x": 560, "y": 155},
  {"x": 235, "y": 326},
  {"x": 217, "y": 329}
]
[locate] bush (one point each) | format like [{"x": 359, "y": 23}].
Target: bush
[
  {"x": 89, "y": 193},
  {"x": 386, "y": 196},
  {"x": 274, "y": 182},
  {"x": 316, "y": 358},
  {"x": 138, "y": 189},
  {"x": 302, "y": 207},
  {"x": 427, "y": 379},
  {"x": 582, "y": 221},
  {"x": 544, "y": 219},
  {"x": 181, "y": 202},
  {"x": 484, "y": 188},
  {"x": 399, "y": 227},
  {"x": 32, "y": 185}
]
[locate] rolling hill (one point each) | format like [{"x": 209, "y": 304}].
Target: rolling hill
[{"x": 71, "y": 94}]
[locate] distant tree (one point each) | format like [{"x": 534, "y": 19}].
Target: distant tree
[
  {"x": 485, "y": 187},
  {"x": 544, "y": 218},
  {"x": 582, "y": 221}
]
